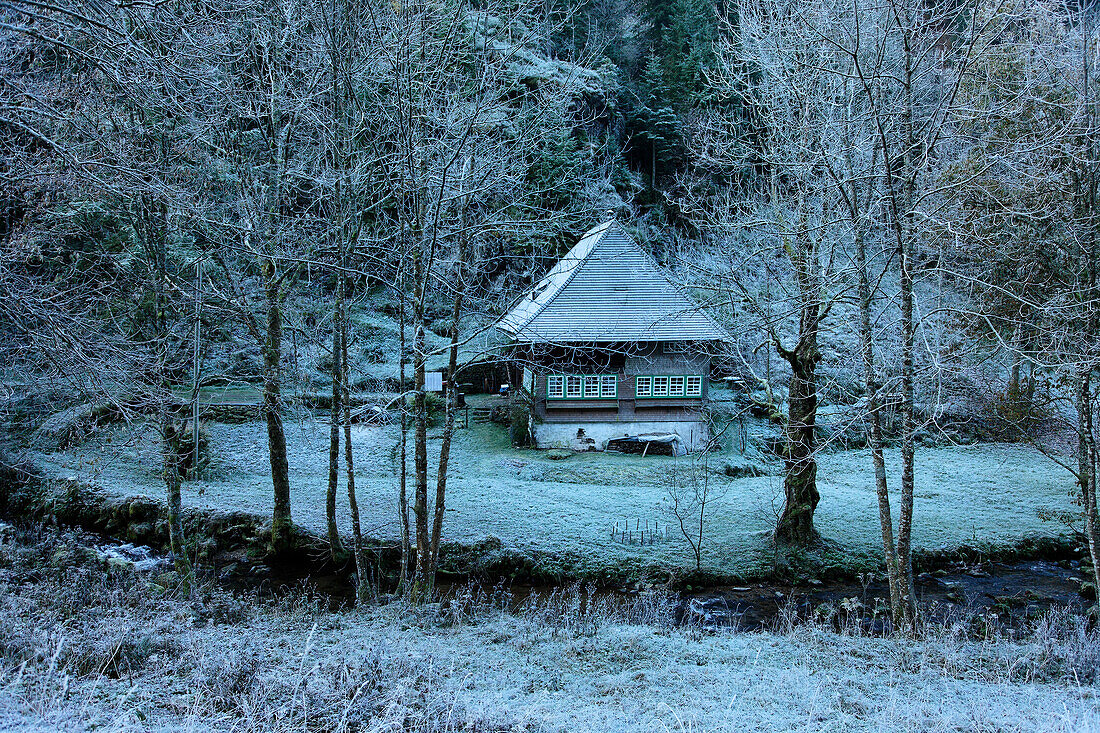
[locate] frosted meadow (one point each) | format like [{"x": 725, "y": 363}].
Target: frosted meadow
[{"x": 604, "y": 365}]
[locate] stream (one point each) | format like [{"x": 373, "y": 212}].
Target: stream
[{"x": 1010, "y": 595}]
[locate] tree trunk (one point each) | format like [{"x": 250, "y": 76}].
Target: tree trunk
[
  {"x": 420, "y": 439},
  {"x": 874, "y": 414},
  {"x": 171, "y": 440},
  {"x": 349, "y": 461},
  {"x": 281, "y": 525},
  {"x": 1086, "y": 477},
  {"x": 171, "y": 444},
  {"x": 195, "y": 372},
  {"x": 335, "y": 546},
  {"x": 451, "y": 403},
  {"x": 448, "y": 433},
  {"x": 908, "y": 430},
  {"x": 796, "y": 523},
  {"x": 402, "y": 450}
]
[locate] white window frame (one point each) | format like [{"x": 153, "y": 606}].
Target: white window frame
[
  {"x": 591, "y": 386},
  {"x": 661, "y": 386},
  {"x": 582, "y": 386}
]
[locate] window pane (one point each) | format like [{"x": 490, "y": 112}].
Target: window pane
[
  {"x": 609, "y": 385},
  {"x": 675, "y": 386},
  {"x": 660, "y": 386},
  {"x": 591, "y": 386},
  {"x": 573, "y": 386},
  {"x": 555, "y": 386},
  {"x": 643, "y": 387},
  {"x": 694, "y": 387}
]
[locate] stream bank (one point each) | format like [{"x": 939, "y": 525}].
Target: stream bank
[{"x": 1014, "y": 582}]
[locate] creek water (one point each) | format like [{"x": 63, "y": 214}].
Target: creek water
[{"x": 1007, "y": 594}]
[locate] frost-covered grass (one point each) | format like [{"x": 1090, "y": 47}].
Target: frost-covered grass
[
  {"x": 84, "y": 650},
  {"x": 984, "y": 493}
]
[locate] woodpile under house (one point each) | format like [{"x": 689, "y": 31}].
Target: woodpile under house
[{"x": 612, "y": 351}]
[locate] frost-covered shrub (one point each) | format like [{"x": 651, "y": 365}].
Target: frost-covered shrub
[
  {"x": 20, "y": 483},
  {"x": 519, "y": 425},
  {"x": 433, "y": 403},
  {"x": 74, "y": 425}
]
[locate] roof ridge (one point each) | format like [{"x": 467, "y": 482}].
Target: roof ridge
[
  {"x": 606, "y": 226},
  {"x": 660, "y": 308}
]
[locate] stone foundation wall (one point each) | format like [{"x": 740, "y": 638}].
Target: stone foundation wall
[{"x": 693, "y": 433}]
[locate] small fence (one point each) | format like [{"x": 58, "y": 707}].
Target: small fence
[{"x": 639, "y": 532}]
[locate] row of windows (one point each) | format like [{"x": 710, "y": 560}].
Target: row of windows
[
  {"x": 605, "y": 386},
  {"x": 582, "y": 386},
  {"x": 669, "y": 386}
]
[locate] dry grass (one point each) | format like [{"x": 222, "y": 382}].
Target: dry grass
[{"x": 82, "y": 649}]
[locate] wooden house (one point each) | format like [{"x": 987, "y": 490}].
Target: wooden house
[{"x": 610, "y": 347}]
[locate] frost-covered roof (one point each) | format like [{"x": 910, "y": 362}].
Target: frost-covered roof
[{"x": 608, "y": 289}]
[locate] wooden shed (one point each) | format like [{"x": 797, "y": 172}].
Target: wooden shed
[{"x": 610, "y": 347}]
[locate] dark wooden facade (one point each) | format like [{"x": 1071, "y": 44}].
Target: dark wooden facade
[{"x": 626, "y": 362}]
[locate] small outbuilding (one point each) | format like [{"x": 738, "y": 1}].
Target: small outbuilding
[{"x": 610, "y": 347}]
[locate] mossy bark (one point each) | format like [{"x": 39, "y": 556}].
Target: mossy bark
[
  {"x": 1086, "y": 471},
  {"x": 172, "y": 480},
  {"x": 796, "y": 523}
]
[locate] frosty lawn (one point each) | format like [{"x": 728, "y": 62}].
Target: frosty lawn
[
  {"x": 964, "y": 495},
  {"x": 220, "y": 662}
]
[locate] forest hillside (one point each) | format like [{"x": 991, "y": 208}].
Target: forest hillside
[{"x": 253, "y": 259}]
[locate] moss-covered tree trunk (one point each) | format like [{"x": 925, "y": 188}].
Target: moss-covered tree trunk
[
  {"x": 1086, "y": 470},
  {"x": 170, "y": 447},
  {"x": 796, "y": 523},
  {"x": 908, "y": 431}
]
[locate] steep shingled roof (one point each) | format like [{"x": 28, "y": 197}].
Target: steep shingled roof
[{"x": 608, "y": 289}]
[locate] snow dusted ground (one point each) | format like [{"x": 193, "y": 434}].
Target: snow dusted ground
[
  {"x": 393, "y": 669},
  {"x": 85, "y": 647},
  {"x": 964, "y": 494}
]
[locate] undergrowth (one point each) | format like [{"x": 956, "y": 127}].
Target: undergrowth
[{"x": 83, "y": 646}]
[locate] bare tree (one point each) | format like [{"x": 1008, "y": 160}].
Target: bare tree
[
  {"x": 126, "y": 135},
  {"x": 690, "y": 496},
  {"x": 260, "y": 128},
  {"x": 1024, "y": 205},
  {"x": 455, "y": 131},
  {"x": 780, "y": 244}
]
